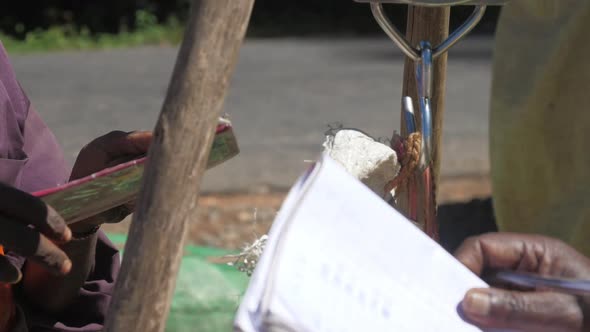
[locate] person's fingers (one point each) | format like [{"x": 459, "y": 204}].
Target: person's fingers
[
  {"x": 509, "y": 251},
  {"x": 9, "y": 274},
  {"x": 523, "y": 311},
  {"x": 118, "y": 144},
  {"x": 29, "y": 210},
  {"x": 29, "y": 243},
  {"x": 110, "y": 150}
]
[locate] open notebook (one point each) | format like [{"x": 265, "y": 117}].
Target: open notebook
[{"x": 339, "y": 258}]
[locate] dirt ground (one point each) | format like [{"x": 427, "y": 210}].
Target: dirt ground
[{"x": 230, "y": 220}]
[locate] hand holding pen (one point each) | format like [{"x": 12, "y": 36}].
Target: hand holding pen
[{"x": 548, "y": 272}]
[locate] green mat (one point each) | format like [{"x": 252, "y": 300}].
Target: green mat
[{"x": 207, "y": 295}]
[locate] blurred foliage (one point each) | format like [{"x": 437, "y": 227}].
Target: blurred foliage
[
  {"x": 147, "y": 31},
  {"x": 30, "y": 25}
]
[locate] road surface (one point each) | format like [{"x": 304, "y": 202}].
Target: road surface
[{"x": 284, "y": 95}]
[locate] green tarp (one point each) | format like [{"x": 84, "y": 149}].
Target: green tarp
[{"x": 207, "y": 295}]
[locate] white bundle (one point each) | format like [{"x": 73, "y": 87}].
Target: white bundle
[{"x": 370, "y": 161}]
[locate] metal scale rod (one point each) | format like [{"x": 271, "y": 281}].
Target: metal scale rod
[{"x": 424, "y": 87}]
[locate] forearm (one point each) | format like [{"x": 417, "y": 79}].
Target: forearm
[{"x": 54, "y": 293}]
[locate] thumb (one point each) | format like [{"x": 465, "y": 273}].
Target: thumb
[
  {"x": 118, "y": 143},
  {"x": 524, "y": 311}
]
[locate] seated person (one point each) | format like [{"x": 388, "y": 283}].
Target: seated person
[
  {"x": 62, "y": 277},
  {"x": 539, "y": 138}
]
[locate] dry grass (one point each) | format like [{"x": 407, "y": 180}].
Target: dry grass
[{"x": 231, "y": 221}]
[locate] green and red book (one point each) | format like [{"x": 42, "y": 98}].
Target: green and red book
[{"x": 115, "y": 186}]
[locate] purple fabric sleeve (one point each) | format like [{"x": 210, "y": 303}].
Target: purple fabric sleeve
[{"x": 31, "y": 159}]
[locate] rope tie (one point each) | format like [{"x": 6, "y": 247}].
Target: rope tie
[{"x": 408, "y": 151}]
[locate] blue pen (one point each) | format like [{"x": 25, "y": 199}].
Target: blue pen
[{"x": 531, "y": 280}]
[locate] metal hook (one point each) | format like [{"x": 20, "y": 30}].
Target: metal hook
[
  {"x": 413, "y": 52},
  {"x": 424, "y": 55},
  {"x": 424, "y": 73},
  {"x": 461, "y": 32},
  {"x": 393, "y": 32},
  {"x": 409, "y": 115}
]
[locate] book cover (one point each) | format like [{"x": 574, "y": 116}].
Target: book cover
[{"x": 114, "y": 186}]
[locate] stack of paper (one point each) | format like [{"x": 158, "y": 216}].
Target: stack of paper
[{"x": 340, "y": 259}]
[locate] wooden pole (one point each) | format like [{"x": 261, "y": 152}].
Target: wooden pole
[
  {"x": 178, "y": 156},
  {"x": 430, "y": 24}
]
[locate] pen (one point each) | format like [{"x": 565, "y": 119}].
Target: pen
[{"x": 562, "y": 285}]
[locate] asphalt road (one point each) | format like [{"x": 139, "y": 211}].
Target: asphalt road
[{"x": 284, "y": 96}]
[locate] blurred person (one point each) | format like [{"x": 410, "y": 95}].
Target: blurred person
[
  {"x": 539, "y": 138},
  {"x": 539, "y": 125},
  {"x": 539, "y": 311},
  {"x": 61, "y": 277}
]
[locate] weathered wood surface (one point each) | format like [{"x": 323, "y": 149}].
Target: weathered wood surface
[{"x": 177, "y": 160}]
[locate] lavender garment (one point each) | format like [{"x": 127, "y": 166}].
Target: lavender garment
[{"x": 31, "y": 159}]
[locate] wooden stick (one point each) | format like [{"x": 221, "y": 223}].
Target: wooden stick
[
  {"x": 431, "y": 24},
  {"x": 178, "y": 156}
]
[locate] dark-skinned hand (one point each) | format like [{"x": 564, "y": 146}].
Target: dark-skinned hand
[
  {"x": 18, "y": 210},
  {"x": 530, "y": 310},
  {"x": 39, "y": 243},
  {"x": 107, "y": 151}
]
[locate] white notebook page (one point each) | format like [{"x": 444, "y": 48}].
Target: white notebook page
[{"x": 349, "y": 262}]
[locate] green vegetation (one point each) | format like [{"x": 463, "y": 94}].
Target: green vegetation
[
  {"x": 147, "y": 32},
  {"x": 32, "y": 26}
]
